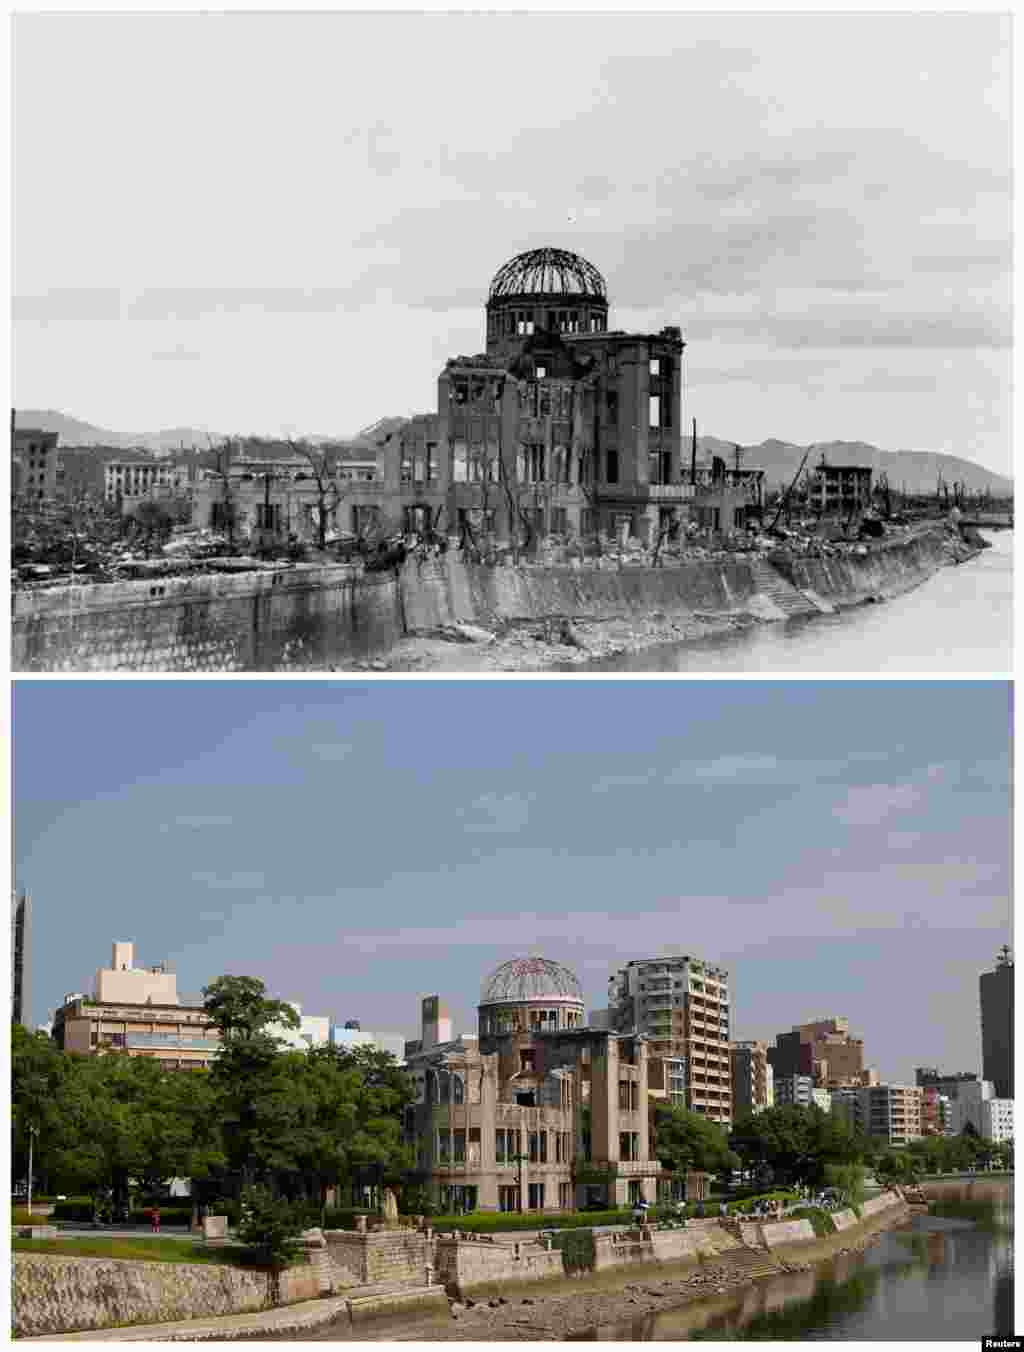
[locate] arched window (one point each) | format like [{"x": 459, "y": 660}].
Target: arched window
[{"x": 458, "y": 1091}]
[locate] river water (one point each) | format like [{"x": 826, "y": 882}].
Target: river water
[
  {"x": 957, "y": 621},
  {"x": 940, "y": 1278}
]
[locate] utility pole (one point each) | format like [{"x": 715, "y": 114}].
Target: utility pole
[
  {"x": 33, "y": 1132},
  {"x": 693, "y": 456}
]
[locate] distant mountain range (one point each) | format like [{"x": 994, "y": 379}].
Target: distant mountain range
[{"x": 918, "y": 471}]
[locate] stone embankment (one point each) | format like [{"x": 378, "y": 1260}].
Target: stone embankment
[
  {"x": 500, "y": 1290},
  {"x": 446, "y": 614}
]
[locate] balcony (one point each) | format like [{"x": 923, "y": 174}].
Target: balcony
[{"x": 625, "y": 1168}]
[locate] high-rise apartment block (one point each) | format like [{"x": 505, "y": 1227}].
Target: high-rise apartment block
[
  {"x": 822, "y": 1049},
  {"x": 21, "y": 957},
  {"x": 996, "y": 990},
  {"x": 681, "y": 1005},
  {"x": 753, "y": 1081}
]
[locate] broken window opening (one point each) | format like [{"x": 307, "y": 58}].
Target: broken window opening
[
  {"x": 541, "y": 371},
  {"x": 526, "y": 1098},
  {"x": 654, "y": 416},
  {"x": 612, "y": 467}
]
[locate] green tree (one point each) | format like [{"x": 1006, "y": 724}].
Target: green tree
[
  {"x": 270, "y": 1227},
  {"x": 685, "y": 1141},
  {"x": 250, "y": 1076},
  {"x": 795, "y": 1142},
  {"x": 39, "y": 1073}
]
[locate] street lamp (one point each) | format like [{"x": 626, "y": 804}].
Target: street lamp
[
  {"x": 33, "y": 1132},
  {"x": 519, "y": 1161}
]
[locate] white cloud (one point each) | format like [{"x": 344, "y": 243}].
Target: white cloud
[
  {"x": 497, "y": 814},
  {"x": 872, "y": 804}
]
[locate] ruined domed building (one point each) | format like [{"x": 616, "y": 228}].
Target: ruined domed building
[
  {"x": 537, "y": 1111},
  {"x": 562, "y": 426}
]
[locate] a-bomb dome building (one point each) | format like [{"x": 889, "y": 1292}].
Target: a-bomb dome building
[
  {"x": 537, "y": 1111},
  {"x": 561, "y": 426}
]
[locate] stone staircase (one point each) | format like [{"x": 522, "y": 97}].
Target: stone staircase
[
  {"x": 749, "y": 1263},
  {"x": 364, "y": 1302},
  {"x": 789, "y": 599}
]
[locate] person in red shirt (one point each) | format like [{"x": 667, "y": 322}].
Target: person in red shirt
[{"x": 154, "y": 1216}]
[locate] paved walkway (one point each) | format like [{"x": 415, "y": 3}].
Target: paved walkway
[{"x": 285, "y": 1319}]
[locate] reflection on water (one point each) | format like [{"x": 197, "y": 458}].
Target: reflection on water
[
  {"x": 959, "y": 620},
  {"x": 942, "y": 1277}
]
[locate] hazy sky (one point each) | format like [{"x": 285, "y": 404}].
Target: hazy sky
[
  {"x": 288, "y": 222},
  {"x": 843, "y": 848}
]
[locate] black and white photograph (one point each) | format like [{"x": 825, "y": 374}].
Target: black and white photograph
[{"x": 511, "y": 343}]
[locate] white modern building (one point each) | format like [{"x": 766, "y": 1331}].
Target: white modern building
[
  {"x": 356, "y": 1037},
  {"x": 968, "y": 1106},
  {"x": 997, "y": 1120}
]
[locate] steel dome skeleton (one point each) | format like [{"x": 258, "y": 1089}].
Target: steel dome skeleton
[
  {"x": 531, "y": 979},
  {"x": 548, "y": 272}
]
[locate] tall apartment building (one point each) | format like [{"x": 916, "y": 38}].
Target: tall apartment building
[
  {"x": 890, "y": 1112},
  {"x": 21, "y": 958},
  {"x": 996, "y": 992},
  {"x": 681, "y": 1005},
  {"x": 753, "y": 1081},
  {"x": 137, "y": 1010},
  {"x": 822, "y": 1049}
]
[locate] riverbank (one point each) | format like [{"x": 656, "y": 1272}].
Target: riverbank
[{"x": 802, "y": 589}]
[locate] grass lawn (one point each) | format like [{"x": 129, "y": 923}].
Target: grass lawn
[{"x": 144, "y": 1248}]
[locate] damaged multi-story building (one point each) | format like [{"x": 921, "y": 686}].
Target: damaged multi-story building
[
  {"x": 562, "y": 425},
  {"x": 537, "y": 1110}
]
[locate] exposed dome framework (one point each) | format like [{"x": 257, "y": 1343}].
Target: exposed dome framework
[
  {"x": 531, "y": 979},
  {"x": 548, "y": 272}
]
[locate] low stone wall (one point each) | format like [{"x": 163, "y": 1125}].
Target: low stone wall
[
  {"x": 53, "y": 1294},
  {"x": 778, "y": 1233},
  {"x": 380, "y": 1255},
  {"x": 462, "y": 1264},
  {"x": 881, "y": 1203}
]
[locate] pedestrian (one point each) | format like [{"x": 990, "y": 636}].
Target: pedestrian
[{"x": 154, "y": 1217}]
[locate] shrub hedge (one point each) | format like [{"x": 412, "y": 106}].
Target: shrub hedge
[
  {"x": 821, "y": 1220},
  {"x": 748, "y": 1203}
]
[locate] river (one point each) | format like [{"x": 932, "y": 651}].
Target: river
[
  {"x": 944, "y": 1277},
  {"x": 960, "y": 620}
]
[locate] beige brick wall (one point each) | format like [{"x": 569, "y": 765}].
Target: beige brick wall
[{"x": 379, "y": 1256}]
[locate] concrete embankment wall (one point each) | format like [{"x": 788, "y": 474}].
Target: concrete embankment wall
[
  {"x": 380, "y": 1255},
  {"x": 256, "y": 621},
  {"x": 465, "y": 1264},
  {"x": 322, "y": 617},
  {"x": 883, "y": 571},
  {"x": 53, "y": 1294}
]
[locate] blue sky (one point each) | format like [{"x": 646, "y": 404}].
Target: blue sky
[
  {"x": 842, "y": 847},
  {"x": 822, "y": 201}
]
